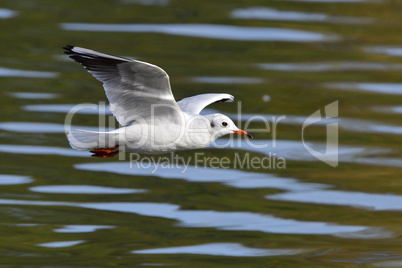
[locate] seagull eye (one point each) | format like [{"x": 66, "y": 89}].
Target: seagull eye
[{"x": 224, "y": 124}]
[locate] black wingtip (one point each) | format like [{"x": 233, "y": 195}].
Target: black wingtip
[
  {"x": 224, "y": 100},
  {"x": 68, "y": 49}
]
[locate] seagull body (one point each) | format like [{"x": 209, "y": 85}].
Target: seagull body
[{"x": 142, "y": 101}]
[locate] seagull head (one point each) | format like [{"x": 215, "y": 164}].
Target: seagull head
[{"x": 221, "y": 125}]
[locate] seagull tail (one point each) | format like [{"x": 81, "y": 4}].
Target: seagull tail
[{"x": 85, "y": 140}]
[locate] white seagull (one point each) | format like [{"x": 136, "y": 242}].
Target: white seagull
[{"x": 142, "y": 102}]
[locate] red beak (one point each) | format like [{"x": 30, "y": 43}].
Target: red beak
[{"x": 242, "y": 132}]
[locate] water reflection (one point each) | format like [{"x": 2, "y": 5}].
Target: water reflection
[
  {"x": 369, "y": 126},
  {"x": 220, "y": 249},
  {"x": 6, "y": 179},
  {"x": 382, "y": 161},
  {"x": 227, "y": 80},
  {"x": 82, "y": 228},
  {"x": 7, "y": 13},
  {"x": 387, "y": 50},
  {"x": 40, "y": 150},
  {"x": 65, "y": 108},
  {"x": 329, "y": 1},
  {"x": 385, "y": 88},
  {"x": 296, "y": 191},
  {"x": 61, "y": 244},
  {"x": 232, "y": 177},
  {"x": 31, "y": 127},
  {"x": 83, "y": 189},
  {"x": 387, "y": 264},
  {"x": 265, "y": 13},
  {"x": 234, "y": 221},
  {"x": 343, "y": 198},
  {"x": 330, "y": 66},
  {"x": 7, "y": 72},
  {"x": 289, "y": 150},
  {"x": 225, "y": 32},
  {"x": 33, "y": 95},
  {"x": 389, "y": 109},
  {"x": 296, "y": 150},
  {"x": 147, "y": 2}
]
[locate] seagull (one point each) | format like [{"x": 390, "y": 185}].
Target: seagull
[{"x": 141, "y": 100}]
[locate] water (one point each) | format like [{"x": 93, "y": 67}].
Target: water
[
  {"x": 7, "y": 13},
  {"x": 384, "y": 88},
  {"x": 219, "y": 249},
  {"x": 392, "y": 109},
  {"x": 387, "y": 50},
  {"x": 7, "y": 72},
  {"x": 61, "y": 244},
  {"x": 330, "y": 66},
  {"x": 247, "y": 203},
  {"x": 83, "y": 189},
  {"x": 33, "y": 95},
  {"x": 225, "y": 32},
  {"x": 14, "y": 179},
  {"x": 263, "y": 13}
]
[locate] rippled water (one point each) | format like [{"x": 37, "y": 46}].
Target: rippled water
[
  {"x": 225, "y": 32},
  {"x": 219, "y": 249},
  {"x": 273, "y": 203}
]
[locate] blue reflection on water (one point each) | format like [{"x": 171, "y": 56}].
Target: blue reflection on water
[
  {"x": 33, "y": 127},
  {"x": 7, "y": 72},
  {"x": 387, "y": 50},
  {"x": 232, "y": 177},
  {"x": 32, "y": 95},
  {"x": 330, "y": 66},
  {"x": 344, "y": 198},
  {"x": 297, "y": 191},
  {"x": 225, "y": 32},
  {"x": 6, "y": 179},
  {"x": 265, "y": 13},
  {"x": 83, "y": 189},
  {"x": 227, "y": 80},
  {"x": 40, "y": 150},
  {"x": 77, "y": 228},
  {"x": 385, "y": 88},
  {"x": 65, "y": 108},
  {"x": 220, "y": 249},
  {"x": 289, "y": 150},
  {"x": 7, "y": 13},
  {"x": 235, "y": 221},
  {"x": 61, "y": 244},
  {"x": 389, "y": 109}
]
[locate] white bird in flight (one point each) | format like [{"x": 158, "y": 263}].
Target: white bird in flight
[{"x": 142, "y": 102}]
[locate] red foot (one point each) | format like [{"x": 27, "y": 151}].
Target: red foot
[{"x": 105, "y": 152}]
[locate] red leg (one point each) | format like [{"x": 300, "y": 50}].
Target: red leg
[{"x": 105, "y": 152}]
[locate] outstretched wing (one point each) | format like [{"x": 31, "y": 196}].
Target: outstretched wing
[
  {"x": 195, "y": 104},
  {"x": 131, "y": 86}
]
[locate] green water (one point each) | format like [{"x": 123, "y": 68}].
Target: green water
[{"x": 185, "y": 210}]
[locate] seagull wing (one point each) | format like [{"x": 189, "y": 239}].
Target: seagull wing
[
  {"x": 195, "y": 104},
  {"x": 134, "y": 88}
]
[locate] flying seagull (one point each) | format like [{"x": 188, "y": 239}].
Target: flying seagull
[{"x": 142, "y": 102}]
